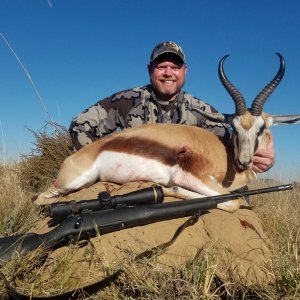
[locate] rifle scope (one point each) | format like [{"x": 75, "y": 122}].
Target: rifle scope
[{"x": 104, "y": 200}]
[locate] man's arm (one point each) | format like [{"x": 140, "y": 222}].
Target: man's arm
[
  {"x": 196, "y": 106},
  {"x": 93, "y": 123},
  {"x": 103, "y": 118}
]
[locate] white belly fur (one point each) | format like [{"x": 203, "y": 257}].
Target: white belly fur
[{"x": 121, "y": 167}]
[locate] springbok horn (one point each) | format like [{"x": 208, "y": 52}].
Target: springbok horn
[
  {"x": 261, "y": 98},
  {"x": 240, "y": 104}
]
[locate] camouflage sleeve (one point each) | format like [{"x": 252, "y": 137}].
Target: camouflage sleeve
[
  {"x": 105, "y": 117},
  {"x": 217, "y": 128},
  {"x": 89, "y": 125}
]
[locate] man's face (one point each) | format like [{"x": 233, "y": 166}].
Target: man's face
[{"x": 167, "y": 76}]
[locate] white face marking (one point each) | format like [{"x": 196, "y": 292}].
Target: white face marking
[{"x": 246, "y": 140}]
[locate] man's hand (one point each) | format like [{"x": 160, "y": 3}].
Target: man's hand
[{"x": 264, "y": 157}]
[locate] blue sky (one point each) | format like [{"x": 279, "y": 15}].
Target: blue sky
[{"x": 80, "y": 51}]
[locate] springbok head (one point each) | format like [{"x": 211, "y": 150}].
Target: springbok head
[{"x": 249, "y": 126}]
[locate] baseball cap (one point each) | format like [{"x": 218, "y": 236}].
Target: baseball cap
[{"x": 167, "y": 47}]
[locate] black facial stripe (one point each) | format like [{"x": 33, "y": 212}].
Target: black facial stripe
[
  {"x": 233, "y": 129},
  {"x": 261, "y": 130}
]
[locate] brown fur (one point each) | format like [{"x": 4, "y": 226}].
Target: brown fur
[
  {"x": 196, "y": 150},
  {"x": 142, "y": 147},
  {"x": 247, "y": 120}
]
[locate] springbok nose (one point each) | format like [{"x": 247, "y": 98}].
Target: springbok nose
[{"x": 245, "y": 165}]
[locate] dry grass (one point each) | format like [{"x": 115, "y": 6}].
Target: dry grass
[
  {"x": 17, "y": 212},
  {"x": 140, "y": 279},
  {"x": 281, "y": 223},
  {"x": 40, "y": 167}
]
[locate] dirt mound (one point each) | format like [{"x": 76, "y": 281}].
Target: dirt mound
[{"x": 236, "y": 241}]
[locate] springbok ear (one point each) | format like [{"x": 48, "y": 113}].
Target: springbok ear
[
  {"x": 218, "y": 117},
  {"x": 283, "y": 119}
]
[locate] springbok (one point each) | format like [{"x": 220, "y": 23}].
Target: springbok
[{"x": 190, "y": 162}]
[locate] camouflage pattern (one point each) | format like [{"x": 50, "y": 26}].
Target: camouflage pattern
[{"x": 136, "y": 107}]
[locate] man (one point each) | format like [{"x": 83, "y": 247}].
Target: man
[{"x": 161, "y": 101}]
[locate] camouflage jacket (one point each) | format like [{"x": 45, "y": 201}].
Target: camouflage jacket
[{"x": 135, "y": 107}]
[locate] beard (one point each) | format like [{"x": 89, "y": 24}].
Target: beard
[{"x": 165, "y": 92}]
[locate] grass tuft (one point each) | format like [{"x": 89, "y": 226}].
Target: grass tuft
[{"x": 41, "y": 166}]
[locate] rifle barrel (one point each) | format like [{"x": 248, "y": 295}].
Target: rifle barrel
[
  {"x": 87, "y": 224},
  {"x": 276, "y": 188}
]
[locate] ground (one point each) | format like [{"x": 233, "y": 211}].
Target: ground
[{"x": 235, "y": 240}]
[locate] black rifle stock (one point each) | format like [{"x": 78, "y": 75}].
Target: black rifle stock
[{"x": 88, "y": 223}]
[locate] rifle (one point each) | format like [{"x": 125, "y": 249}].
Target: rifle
[{"x": 85, "y": 219}]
